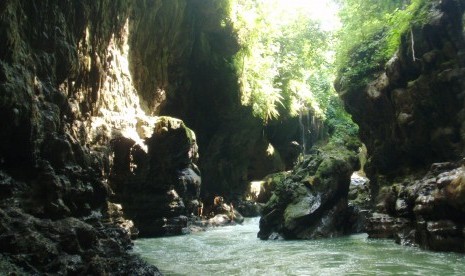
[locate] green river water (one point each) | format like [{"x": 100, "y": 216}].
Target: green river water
[{"x": 236, "y": 250}]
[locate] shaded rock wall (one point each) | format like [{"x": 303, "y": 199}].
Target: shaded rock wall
[
  {"x": 79, "y": 83},
  {"x": 61, "y": 74},
  {"x": 159, "y": 187},
  {"x": 237, "y": 154},
  {"x": 411, "y": 116},
  {"x": 426, "y": 211},
  {"x": 187, "y": 72}
]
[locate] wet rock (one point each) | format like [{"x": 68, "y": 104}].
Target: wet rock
[
  {"x": 357, "y": 219},
  {"x": 116, "y": 216},
  {"x": 197, "y": 224},
  {"x": 220, "y": 220},
  {"x": 359, "y": 202},
  {"x": 426, "y": 212},
  {"x": 67, "y": 246},
  {"x": 311, "y": 202},
  {"x": 220, "y": 207},
  {"x": 248, "y": 208},
  {"x": 175, "y": 226},
  {"x": 384, "y": 226},
  {"x": 158, "y": 187}
]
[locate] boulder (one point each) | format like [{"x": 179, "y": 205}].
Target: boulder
[
  {"x": 248, "y": 208},
  {"x": 426, "y": 211},
  {"x": 311, "y": 201},
  {"x": 158, "y": 183},
  {"x": 359, "y": 202}
]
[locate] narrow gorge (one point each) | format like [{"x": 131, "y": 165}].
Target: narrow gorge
[{"x": 128, "y": 120}]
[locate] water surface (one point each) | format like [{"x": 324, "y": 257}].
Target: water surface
[{"x": 236, "y": 250}]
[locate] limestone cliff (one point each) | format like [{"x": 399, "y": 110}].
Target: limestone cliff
[
  {"x": 65, "y": 87},
  {"x": 411, "y": 118},
  {"x": 82, "y": 84},
  {"x": 188, "y": 73}
]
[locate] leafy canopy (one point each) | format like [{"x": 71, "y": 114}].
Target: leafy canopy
[
  {"x": 284, "y": 65},
  {"x": 371, "y": 33}
]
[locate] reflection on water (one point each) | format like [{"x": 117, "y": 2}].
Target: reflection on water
[{"x": 236, "y": 250}]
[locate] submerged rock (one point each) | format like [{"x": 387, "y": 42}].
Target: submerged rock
[{"x": 311, "y": 201}]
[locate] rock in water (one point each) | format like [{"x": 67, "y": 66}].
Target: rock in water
[
  {"x": 427, "y": 211},
  {"x": 160, "y": 187},
  {"x": 311, "y": 202}
]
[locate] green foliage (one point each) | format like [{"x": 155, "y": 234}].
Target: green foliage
[
  {"x": 341, "y": 128},
  {"x": 361, "y": 20},
  {"x": 402, "y": 20},
  {"x": 283, "y": 65},
  {"x": 372, "y": 32},
  {"x": 365, "y": 59}
]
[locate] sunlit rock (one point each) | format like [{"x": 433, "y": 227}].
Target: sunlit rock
[{"x": 160, "y": 186}]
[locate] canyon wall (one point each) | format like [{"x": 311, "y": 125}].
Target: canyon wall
[
  {"x": 65, "y": 90},
  {"x": 412, "y": 120},
  {"x": 84, "y": 86}
]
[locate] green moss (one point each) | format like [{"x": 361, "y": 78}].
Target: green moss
[
  {"x": 402, "y": 21},
  {"x": 7, "y": 266},
  {"x": 361, "y": 56}
]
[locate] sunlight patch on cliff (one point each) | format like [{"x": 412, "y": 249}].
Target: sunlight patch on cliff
[{"x": 120, "y": 113}]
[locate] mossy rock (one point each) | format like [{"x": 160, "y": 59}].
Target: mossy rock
[
  {"x": 269, "y": 184},
  {"x": 303, "y": 204}
]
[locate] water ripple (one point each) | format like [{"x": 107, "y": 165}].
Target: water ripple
[{"x": 236, "y": 250}]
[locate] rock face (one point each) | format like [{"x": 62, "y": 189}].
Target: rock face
[
  {"x": 81, "y": 84},
  {"x": 360, "y": 202},
  {"x": 311, "y": 201},
  {"x": 411, "y": 116},
  {"x": 173, "y": 75},
  {"x": 69, "y": 246},
  {"x": 427, "y": 211},
  {"x": 158, "y": 187},
  {"x": 65, "y": 91}
]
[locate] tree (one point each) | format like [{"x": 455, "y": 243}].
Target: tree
[
  {"x": 371, "y": 31},
  {"x": 284, "y": 65}
]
